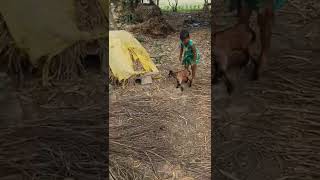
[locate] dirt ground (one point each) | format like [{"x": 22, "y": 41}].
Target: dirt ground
[
  {"x": 165, "y": 131},
  {"x": 267, "y": 129}
]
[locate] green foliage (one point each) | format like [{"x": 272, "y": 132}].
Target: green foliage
[
  {"x": 128, "y": 18},
  {"x": 184, "y": 8}
]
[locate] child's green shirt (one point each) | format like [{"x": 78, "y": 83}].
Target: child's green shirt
[
  {"x": 188, "y": 57},
  {"x": 257, "y": 4}
]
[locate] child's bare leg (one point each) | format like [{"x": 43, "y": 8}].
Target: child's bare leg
[
  {"x": 194, "y": 69},
  {"x": 186, "y": 66}
]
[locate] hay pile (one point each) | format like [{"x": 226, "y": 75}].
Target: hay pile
[
  {"x": 151, "y": 22},
  {"x": 156, "y": 27},
  {"x": 67, "y": 64},
  {"x": 90, "y": 15},
  {"x": 146, "y": 19},
  {"x": 146, "y": 11}
]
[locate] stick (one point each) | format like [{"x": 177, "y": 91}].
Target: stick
[
  {"x": 228, "y": 175},
  {"x": 296, "y": 57}
]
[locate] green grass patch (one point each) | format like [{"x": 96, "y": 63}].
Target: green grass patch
[{"x": 185, "y": 8}]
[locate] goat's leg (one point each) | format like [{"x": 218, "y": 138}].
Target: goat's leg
[
  {"x": 220, "y": 67},
  {"x": 253, "y": 75},
  {"x": 223, "y": 70},
  {"x": 252, "y": 60},
  {"x": 244, "y": 12},
  {"x": 228, "y": 83},
  {"x": 265, "y": 20},
  {"x": 178, "y": 84},
  {"x": 247, "y": 58},
  {"x": 216, "y": 73}
]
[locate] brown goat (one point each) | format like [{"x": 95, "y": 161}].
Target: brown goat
[
  {"x": 181, "y": 76},
  {"x": 265, "y": 22},
  {"x": 231, "y": 50}
]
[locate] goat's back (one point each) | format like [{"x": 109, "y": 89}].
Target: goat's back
[
  {"x": 182, "y": 75},
  {"x": 239, "y": 36}
]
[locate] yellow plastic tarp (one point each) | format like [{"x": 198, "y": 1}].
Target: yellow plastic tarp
[
  {"x": 45, "y": 27},
  {"x": 124, "y": 49}
]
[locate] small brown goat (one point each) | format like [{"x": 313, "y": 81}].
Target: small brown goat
[
  {"x": 231, "y": 50},
  {"x": 181, "y": 76},
  {"x": 265, "y": 17}
]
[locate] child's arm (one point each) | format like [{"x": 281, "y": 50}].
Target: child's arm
[{"x": 181, "y": 52}]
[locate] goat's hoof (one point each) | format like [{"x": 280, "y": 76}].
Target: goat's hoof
[
  {"x": 230, "y": 90},
  {"x": 252, "y": 78},
  {"x": 181, "y": 88},
  {"x": 255, "y": 76}
]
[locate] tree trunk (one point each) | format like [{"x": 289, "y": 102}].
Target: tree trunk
[
  {"x": 174, "y": 5},
  {"x": 112, "y": 21},
  {"x": 131, "y": 5},
  {"x": 206, "y": 6}
]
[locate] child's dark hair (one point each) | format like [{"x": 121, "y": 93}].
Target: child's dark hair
[{"x": 184, "y": 34}]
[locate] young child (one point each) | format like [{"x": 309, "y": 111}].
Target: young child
[{"x": 191, "y": 55}]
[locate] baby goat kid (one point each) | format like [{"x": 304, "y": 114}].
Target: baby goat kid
[
  {"x": 181, "y": 76},
  {"x": 231, "y": 50}
]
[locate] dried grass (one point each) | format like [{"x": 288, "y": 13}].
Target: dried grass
[
  {"x": 159, "y": 119},
  {"x": 292, "y": 108},
  {"x": 56, "y": 147},
  {"x": 155, "y": 27},
  {"x": 133, "y": 125},
  {"x": 282, "y": 118},
  {"x": 65, "y": 65},
  {"x": 90, "y": 15},
  {"x": 62, "y": 133}
]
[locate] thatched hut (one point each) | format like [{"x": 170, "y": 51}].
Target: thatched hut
[{"x": 52, "y": 37}]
